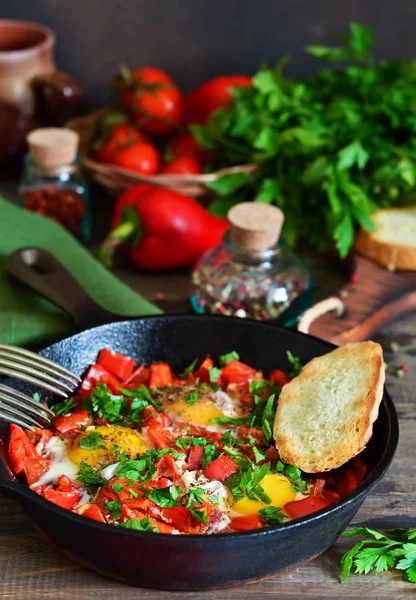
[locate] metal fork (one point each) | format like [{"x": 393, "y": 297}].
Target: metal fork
[{"x": 17, "y": 407}]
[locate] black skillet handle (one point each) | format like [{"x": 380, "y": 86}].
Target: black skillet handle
[{"x": 41, "y": 271}]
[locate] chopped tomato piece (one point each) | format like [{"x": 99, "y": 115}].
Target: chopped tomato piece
[
  {"x": 70, "y": 425},
  {"x": 66, "y": 498},
  {"x": 237, "y": 372},
  {"x": 161, "y": 439},
  {"x": 141, "y": 376},
  {"x": 153, "y": 418},
  {"x": 117, "y": 364},
  {"x": 221, "y": 468},
  {"x": 39, "y": 436},
  {"x": 279, "y": 377},
  {"x": 160, "y": 375},
  {"x": 272, "y": 455},
  {"x": 97, "y": 373},
  {"x": 20, "y": 448},
  {"x": 163, "y": 482},
  {"x": 318, "y": 487},
  {"x": 306, "y": 506},
  {"x": 246, "y": 523},
  {"x": 93, "y": 512},
  {"x": 194, "y": 458},
  {"x": 331, "y": 496},
  {"x": 360, "y": 468},
  {"x": 36, "y": 467},
  {"x": 348, "y": 483},
  {"x": 180, "y": 518},
  {"x": 203, "y": 372},
  {"x": 166, "y": 467},
  {"x": 63, "y": 482}
]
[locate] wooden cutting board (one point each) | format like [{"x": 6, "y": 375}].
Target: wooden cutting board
[{"x": 373, "y": 297}]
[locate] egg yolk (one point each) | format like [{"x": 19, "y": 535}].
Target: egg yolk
[
  {"x": 199, "y": 413},
  {"x": 278, "y": 489},
  {"x": 115, "y": 439}
]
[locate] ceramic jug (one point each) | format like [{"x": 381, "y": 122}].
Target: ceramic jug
[{"x": 32, "y": 92}]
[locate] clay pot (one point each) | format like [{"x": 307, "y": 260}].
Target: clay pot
[{"x": 32, "y": 92}]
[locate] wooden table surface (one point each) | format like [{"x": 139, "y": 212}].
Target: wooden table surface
[{"x": 30, "y": 569}]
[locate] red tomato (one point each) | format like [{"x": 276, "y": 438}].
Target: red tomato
[
  {"x": 166, "y": 467},
  {"x": 301, "y": 508},
  {"x": 221, "y": 468},
  {"x": 203, "y": 373},
  {"x": 66, "y": 498},
  {"x": 279, "y": 377},
  {"x": 36, "y": 467},
  {"x": 194, "y": 458},
  {"x": 20, "y": 448},
  {"x": 93, "y": 512},
  {"x": 331, "y": 496},
  {"x": 140, "y": 157},
  {"x": 159, "y": 438},
  {"x": 184, "y": 165},
  {"x": 117, "y": 364},
  {"x": 160, "y": 375},
  {"x": 121, "y": 136},
  {"x": 246, "y": 523},
  {"x": 237, "y": 372},
  {"x": 97, "y": 373},
  {"x": 153, "y": 418},
  {"x": 180, "y": 518},
  {"x": 210, "y": 96},
  {"x": 318, "y": 487},
  {"x": 186, "y": 145},
  {"x": 70, "y": 425},
  {"x": 348, "y": 483},
  {"x": 153, "y": 100},
  {"x": 140, "y": 376}
]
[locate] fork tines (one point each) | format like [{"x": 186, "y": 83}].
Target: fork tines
[
  {"x": 28, "y": 366},
  {"x": 16, "y": 407}
]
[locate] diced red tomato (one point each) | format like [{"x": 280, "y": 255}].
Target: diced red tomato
[
  {"x": 117, "y": 364},
  {"x": 93, "y": 512},
  {"x": 301, "y": 508},
  {"x": 20, "y": 448},
  {"x": 272, "y": 455},
  {"x": 160, "y": 375},
  {"x": 141, "y": 376},
  {"x": 203, "y": 372},
  {"x": 180, "y": 518},
  {"x": 35, "y": 467},
  {"x": 66, "y": 498},
  {"x": 221, "y": 468},
  {"x": 162, "y": 483},
  {"x": 348, "y": 483},
  {"x": 39, "y": 436},
  {"x": 237, "y": 372},
  {"x": 246, "y": 523},
  {"x": 318, "y": 487},
  {"x": 161, "y": 439},
  {"x": 194, "y": 458},
  {"x": 279, "y": 377},
  {"x": 70, "y": 425},
  {"x": 153, "y": 418},
  {"x": 97, "y": 373},
  {"x": 166, "y": 467},
  {"x": 331, "y": 496}
]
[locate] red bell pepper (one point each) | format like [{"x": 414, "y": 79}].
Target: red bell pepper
[
  {"x": 20, "y": 448},
  {"x": 117, "y": 364},
  {"x": 301, "y": 508},
  {"x": 70, "y": 425},
  {"x": 161, "y": 439},
  {"x": 160, "y": 229},
  {"x": 93, "y": 512},
  {"x": 35, "y": 467},
  {"x": 96, "y": 373},
  {"x": 140, "y": 376},
  {"x": 237, "y": 372},
  {"x": 203, "y": 372},
  {"x": 66, "y": 498},
  {"x": 160, "y": 375},
  {"x": 221, "y": 468},
  {"x": 194, "y": 458},
  {"x": 246, "y": 523},
  {"x": 153, "y": 418}
]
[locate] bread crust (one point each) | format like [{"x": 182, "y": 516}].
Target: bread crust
[
  {"x": 402, "y": 257},
  {"x": 349, "y": 443}
]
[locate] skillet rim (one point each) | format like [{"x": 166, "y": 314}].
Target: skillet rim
[{"x": 362, "y": 490}]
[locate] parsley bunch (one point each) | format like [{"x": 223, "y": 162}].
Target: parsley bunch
[
  {"x": 377, "y": 551},
  {"x": 330, "y": 149}
]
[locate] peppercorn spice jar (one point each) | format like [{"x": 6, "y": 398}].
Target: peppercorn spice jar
[
  {"x": 252, "y": 273},
  {"x": 52, "y": 184}
]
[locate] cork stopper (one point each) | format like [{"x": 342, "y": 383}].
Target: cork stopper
[
  {"x": 255, "y": 226},
  {"x": 52, "y": 147}
]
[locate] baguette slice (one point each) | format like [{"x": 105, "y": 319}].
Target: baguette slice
[
  {"x": 393, "y": 242},
  {"x": 325, "y": 415}
]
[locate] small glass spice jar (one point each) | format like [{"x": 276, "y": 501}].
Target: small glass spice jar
[
  {"x": 252, "y": 273},
  {"x": 52, "y": 184}
]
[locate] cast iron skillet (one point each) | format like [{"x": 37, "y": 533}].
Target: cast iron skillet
[{"x": 192, "y": 562}]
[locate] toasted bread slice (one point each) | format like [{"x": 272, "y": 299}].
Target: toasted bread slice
[
  {"x": 393, "y": 242},
  {"x": 325, "y": 415}
]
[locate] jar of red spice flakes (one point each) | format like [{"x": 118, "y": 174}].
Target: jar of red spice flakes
[
  {"x": 52, "y": 184},
  {"x": 253, "y": 273}
]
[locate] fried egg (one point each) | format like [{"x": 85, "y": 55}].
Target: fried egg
[{"x": 276, "y": 486}]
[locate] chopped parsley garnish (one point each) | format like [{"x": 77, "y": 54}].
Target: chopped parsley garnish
[
  {"x": 64, "y": 407},
  {"x": 272, "y": 515},
  {"x": 117, "y": 487},
  {"x": 296, "y": 364},
  {"x": 226, "y": 358},
  {"x": 89, "y": 476},
  {"x": 185, "y": 442},
  {"x": 162, "y": 497},
  {"x": 143, "y": 525},
  {"x": 136, "y": 470},
  {"x": 115, "y": 508},
  {"x": 214, "y": 374},
  {"x": 199, "y": 515},
  {"x": 229, "y": 420},
  {"x": 103, "y": 404},
  {"x": 189, "y": 369},
  {"x": 192, "y": 397},
  {"x": 258, "y": 455},
  {"x": 142, "y": 394},
  {"x": 294, "y": 475},
  {"x": 210, "y": 454},
  {"x": 247, "y": 482},
  {"x": 92, "y": 441},
  {"x": 194, "y": 495},
  {"x": 267, "y": 418}
]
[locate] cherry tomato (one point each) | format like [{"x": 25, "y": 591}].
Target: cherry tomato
[
  {"x": 186, "y": 145},
  {"x": 210, "y": 96},
  {"x": 118, "y": 364},
  {"x": 221, "y": 468},
  {"x": 183, "y": 165},
  {"x": 153, "y": 100},
  {"x": 140, "y": 157},
  {"x": 121, "y": 136}
]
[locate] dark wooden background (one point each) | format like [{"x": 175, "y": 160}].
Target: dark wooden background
[{"x": 196, "y": 39}]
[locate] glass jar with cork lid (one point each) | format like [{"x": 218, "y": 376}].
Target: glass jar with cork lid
[
  {"x": 253, "y": 273},
  {"x": 52, "y": 184}
]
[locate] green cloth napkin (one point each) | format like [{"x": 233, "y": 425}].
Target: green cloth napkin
[{"x": 26, "y": 318}]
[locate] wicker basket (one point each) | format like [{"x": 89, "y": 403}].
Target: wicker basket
[{"x": 116, "y": 180}]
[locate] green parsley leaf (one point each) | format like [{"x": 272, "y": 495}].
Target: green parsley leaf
[
  {"x": 89, "y": 476},
  {"x": 228, "y": 420},
  {"x": 272, "y": 515},
  {"x": 64, "y": 407},
  {"x": 162, "y": 497},
  {"x": 143, "y": 525},
  {"x": 114, "y": 507},
  {"x": 258, "y": 455},
  {"x": 195, "y": 495},
  {"x": 295, "y": 477},
  {"x": 189, "y": 369},
  {"x": 199, "y": 515},
  {"x": 105, "y": 405},
  {"x": 268, "y": 416},
  {"x": 210, "y": 454},
  {"x": 296, "y": 364},
  {"x": 224, "y": 359},
  {"x": 192, "y": 397},
  {"x": 118, "y": 488},
  {"x": 214, "y": 374},
  {"x": 92, "y": 441},
  {"x": 136, "y": 470}
]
